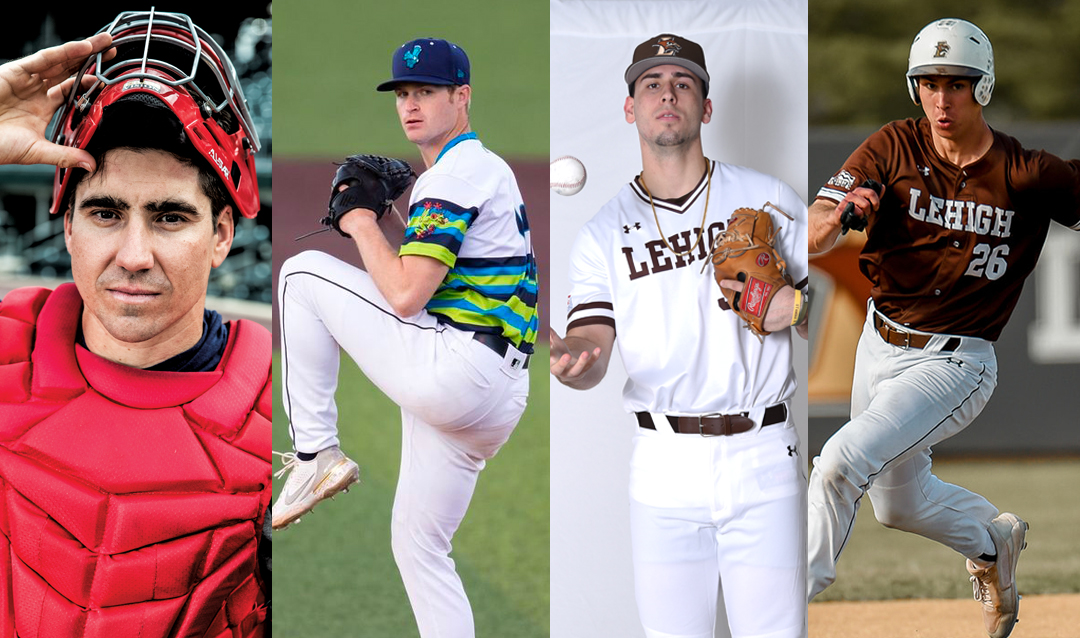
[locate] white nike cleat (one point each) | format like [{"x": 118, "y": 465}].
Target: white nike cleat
[
  {"x": 995, "y": 584},
  {"x": 310, "y": 482}
]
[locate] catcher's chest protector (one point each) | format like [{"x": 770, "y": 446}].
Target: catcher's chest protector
[{"x": 130, "y": 501}]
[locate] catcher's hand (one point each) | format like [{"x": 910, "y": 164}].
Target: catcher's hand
[
  {"x": 745, "y": 251},
  {"x": 32, "y": 89},
  {"x": 371, "y": 181}
]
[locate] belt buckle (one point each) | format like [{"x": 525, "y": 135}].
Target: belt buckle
[
  {"x": 906, "y": 335},
  {"x": 711, "y": 415}
]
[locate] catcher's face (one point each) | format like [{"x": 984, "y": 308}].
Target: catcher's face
[
  {"x": 949, "y": 105},
  {"x": 142, "y": 243},
  {"x": 668, "y": 106},
  {"x": 431, "y": 114}
]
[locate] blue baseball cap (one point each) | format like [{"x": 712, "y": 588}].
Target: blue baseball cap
[{"x": 428, "y": 61}]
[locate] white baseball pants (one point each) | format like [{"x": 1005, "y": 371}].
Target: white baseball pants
[
  {"x": 903, "y": 401},
  {"x": 459, "y": 403},
  {"x": 730, "y": 509}
]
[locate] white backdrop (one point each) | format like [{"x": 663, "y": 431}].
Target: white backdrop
[{"x": 755, "y": 52}]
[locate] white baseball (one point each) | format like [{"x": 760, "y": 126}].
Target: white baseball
[{"x": 567, "y": 175}]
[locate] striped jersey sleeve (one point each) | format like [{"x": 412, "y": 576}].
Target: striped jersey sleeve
[
  {"x": 436, "y": 229},
  {"x": 468, "y": 214},
  {"x": 590, "y": 286}
]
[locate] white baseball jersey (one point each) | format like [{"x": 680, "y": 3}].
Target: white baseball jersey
[
  {"x": 466, "y": 211},
  {"x": 460, "y": 397},
  {"x": 683, "y": 353}
]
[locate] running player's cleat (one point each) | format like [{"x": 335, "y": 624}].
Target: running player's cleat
[
  {"x": 311, "y": 481},
  {"x": 995, "y": 585}
]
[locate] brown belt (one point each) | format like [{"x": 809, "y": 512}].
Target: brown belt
[
  {"x": 717, "y": 424},
  {"x": 906, "y": 339}
]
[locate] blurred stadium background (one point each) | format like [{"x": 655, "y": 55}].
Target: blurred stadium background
[
  {"x": 1023, "y": 451},
  {"x": 32, "y": 248},
  {"x": 335, "y": 572}
]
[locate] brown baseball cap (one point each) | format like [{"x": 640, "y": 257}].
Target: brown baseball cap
[{"x": 667, "y": 48}]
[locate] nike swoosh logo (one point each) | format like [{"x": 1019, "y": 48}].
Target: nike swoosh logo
[{"x": 288, "y": 494}]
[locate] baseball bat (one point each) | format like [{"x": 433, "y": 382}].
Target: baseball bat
[{"x": 848, "y": 219}]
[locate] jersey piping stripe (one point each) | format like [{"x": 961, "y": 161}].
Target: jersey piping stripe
[
  {"x": 285, "y": 343},
  {"x": 802, "y": 284},
  {"x": 1075, "y": 226},
  {"x": 870, "y": 478},
  {"x": 471, "y": 135},
  {"x": 601, "y": 305},
  {"x": 831, "y": 193},
  {"x": 659, "y": 203},
  {"x": 590, "y": 321}
]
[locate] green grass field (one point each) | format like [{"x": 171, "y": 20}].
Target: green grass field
[
  {"x": 880, "y": 563},
  {"x": 330, "y": 55},
  {"x": 334, "y": 573}
]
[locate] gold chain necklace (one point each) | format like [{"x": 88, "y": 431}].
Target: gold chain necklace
[{"x": 701, "y": 231}]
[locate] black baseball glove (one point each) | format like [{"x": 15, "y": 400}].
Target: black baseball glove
[{"x": 371, "y": 181}]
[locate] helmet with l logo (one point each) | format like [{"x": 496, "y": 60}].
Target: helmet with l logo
[{"x": 952, "y": 47}]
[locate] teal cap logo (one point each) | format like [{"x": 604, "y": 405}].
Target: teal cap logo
[{"x": 412, "y": 57}]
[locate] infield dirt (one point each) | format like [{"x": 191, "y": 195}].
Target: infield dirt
[{"x": 1046, "y": 616}]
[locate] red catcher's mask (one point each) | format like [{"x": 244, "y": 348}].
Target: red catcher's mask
[{"x": 166, "y": 56}]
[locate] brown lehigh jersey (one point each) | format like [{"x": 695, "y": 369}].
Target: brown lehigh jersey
[{"x": 949, "y": 248}]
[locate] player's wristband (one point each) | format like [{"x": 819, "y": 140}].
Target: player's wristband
[{"x": 798, "y": 314}]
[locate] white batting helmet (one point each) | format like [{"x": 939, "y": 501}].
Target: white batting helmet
[{"x": 952, "y": 47}]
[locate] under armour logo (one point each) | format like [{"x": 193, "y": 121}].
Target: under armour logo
[
  {"x": 925, "y": 170},
  {"x": 626, "y": 229},
  {"x": 959, "y": 363},
  {"x": 792, "y": 450}
]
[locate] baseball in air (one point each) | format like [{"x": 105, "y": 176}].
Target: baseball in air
[{"x": 567, "y": 175}]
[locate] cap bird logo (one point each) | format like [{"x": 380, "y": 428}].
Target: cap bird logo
[
  {"x": 412, "y": 57},
  {"x": 942, "y": 49},
  {"x": 667, "y": 46}
]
